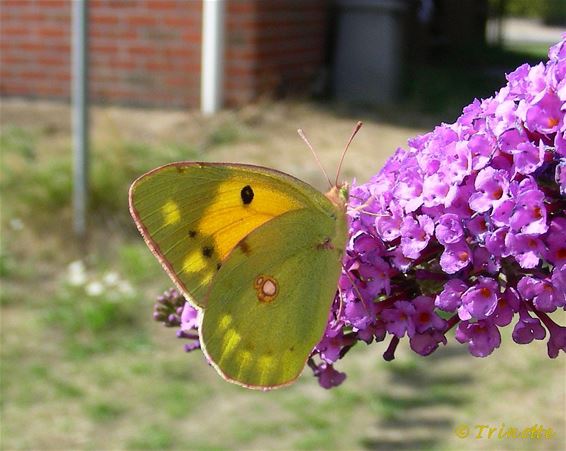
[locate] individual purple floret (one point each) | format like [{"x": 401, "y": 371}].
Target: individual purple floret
[
  {"x": 527, "y": 328},
  {"x": 168, "y": 308},
  {"x": 327, "y": 376},
  {"x": 482, "y": 337}
]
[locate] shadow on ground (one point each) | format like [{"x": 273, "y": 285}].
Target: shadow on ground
[{"x": 418, "y": 410}]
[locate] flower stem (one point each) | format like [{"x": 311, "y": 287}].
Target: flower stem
[
  {"x": 451, "y": 322},
  {"x": 548, "y": 322},
  {"x": 389, "y": 353}
]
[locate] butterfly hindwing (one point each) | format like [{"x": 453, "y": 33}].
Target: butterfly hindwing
[
  {"x": 193, "y": 214},
  {"x": 268, "y": 305}
]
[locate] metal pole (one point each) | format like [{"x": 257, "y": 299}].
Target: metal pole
[
  {"x": 79, "y": 112},
  {"x": 212, "y": 56}
]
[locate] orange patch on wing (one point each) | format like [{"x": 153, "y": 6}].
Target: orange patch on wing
[
  {"x": 266, "y": 288},
  {"x": 240, "y": 206}
]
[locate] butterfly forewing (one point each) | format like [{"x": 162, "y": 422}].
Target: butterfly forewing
[{"x": 193, "y": 214}]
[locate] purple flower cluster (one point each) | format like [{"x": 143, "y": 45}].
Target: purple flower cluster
[
  {"x": 172, "y": 310},
  {"x": 465, "y": 228}
]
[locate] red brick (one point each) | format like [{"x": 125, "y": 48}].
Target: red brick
[
  {"x": 139, "y": 49},
  {"x": 158, "y": 66},
  {"x": 31, "y": 46},
  {"x": 52, "y": 32},
  {"x": 17, "y": 4},
  {"x": 14, "y": 30},
  {"x": 181, "y": 21},
  {"x": 192, "y": 35},
  {"x": 177, "y": 81},
  {"x": 179, "y": 52},
  {"x": 103, "y": 20},
  {"x": 241, "y": 6},
  {"x": 31, "y": 16},
  {"x": 31, "y": 74},
  {"x": 142, "y": 20},
  {"x": 96, "y": 47},
  {"x": 60, "y": 47},
  {"x": 114, "y": 4},
  {"x": 53, "y": 60},
  {"x": 163, "y": 5},
  {"x": 54, "y": 4},
  {"x": 62, "y": 76},
  {"x": 118, "y": 33}
]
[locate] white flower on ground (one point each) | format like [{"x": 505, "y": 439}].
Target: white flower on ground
[
  {"x": 94, "y": 288},
  {"x": 111, "y": 278},
  {"x": 76, "y": 273}
]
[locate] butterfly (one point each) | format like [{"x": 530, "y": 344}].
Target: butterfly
[{"x": 256, "y": 250}]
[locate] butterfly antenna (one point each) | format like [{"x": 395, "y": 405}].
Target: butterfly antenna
[
  {"x": 302, "y": 135},
  {"x": 354, "y": 132}
]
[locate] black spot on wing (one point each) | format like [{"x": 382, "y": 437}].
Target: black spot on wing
[
  {"x": 207, "y": 251},
  {"x": 192, "y": 233},
  {"x": 247, "y": 194}
]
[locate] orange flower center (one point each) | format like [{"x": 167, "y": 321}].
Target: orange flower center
[
  {"x": 462, "y": 256},
  {"x": 424, "y": 317},
  {"x": 547, "y": 287},
  {"x": 497, "y": 193}
]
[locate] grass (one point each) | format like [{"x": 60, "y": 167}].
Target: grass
[
  {"x": 104, "y": 411},
  {"x": 85, "y": 367},
  {"x": 154, "y": 436}
]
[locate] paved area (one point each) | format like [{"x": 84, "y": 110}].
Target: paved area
[{"x": 517, "y": 30}]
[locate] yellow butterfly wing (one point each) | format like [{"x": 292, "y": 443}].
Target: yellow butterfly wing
[
  {"x": 268, "y": 306},
  {"x": 192, "y": 215}
]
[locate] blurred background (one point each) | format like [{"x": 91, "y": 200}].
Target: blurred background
[{"x": 83, "y": 365}]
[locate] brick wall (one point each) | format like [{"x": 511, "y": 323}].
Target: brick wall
[
  {"x": 34, "y": 52},
  {"x": 273, "y": 47},
  {"x": 147, "y": 52}
]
